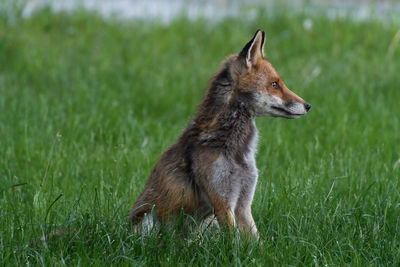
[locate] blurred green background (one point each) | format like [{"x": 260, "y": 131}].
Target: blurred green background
[{"x": 91, "y": 94}]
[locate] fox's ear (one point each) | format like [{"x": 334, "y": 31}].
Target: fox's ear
[{"x": 253, "y": 49}]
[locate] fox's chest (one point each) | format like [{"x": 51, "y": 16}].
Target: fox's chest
[
  {"x": 244, "y": 166},
  {"x": 250, "y": 156}
]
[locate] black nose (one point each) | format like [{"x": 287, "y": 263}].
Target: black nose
[{"x": 307, "y": 106}]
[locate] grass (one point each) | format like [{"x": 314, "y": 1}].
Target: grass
[{"x": 87, "y": 106}]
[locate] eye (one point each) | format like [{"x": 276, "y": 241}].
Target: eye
[{"x": 276, "y": 85}]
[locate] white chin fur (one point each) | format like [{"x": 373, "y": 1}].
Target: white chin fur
[
  {"x": 270, "y": 105},
  {"x": 297, "y": 108},
  {"x": 287, "y": 116}
]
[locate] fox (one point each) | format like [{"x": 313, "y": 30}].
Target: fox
[{"x": 211, "y": 169}]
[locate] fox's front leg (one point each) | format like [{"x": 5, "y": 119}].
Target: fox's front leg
[
  {"x": 222, "y": 210},
  {"x": 246, "y": 221},
  {"x": 219, "y": 186},
  {"x": 243, "y": 206}
]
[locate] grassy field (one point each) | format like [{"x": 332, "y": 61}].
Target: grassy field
[{"x": 87, "y": 106}]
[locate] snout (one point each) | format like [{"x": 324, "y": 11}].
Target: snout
[{"x": 297, "y": 108}]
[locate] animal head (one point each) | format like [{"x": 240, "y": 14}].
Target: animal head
[{"x": 260, "y": 85}]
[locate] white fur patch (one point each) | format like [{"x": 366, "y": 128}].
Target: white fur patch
[
  {"x": 270, "y": 105},
  {"x": 250, "y": 157},
  {"x": 221, "y": 171},
  {"x": 147, "y": 225},
  {"x": 297, "y": 108},
  {"x": 228, "y": 188}
]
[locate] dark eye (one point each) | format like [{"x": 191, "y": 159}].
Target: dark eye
[{"x": 276, "y": 85}]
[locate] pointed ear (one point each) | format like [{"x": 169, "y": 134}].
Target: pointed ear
[{"x": 254, "y": 49}]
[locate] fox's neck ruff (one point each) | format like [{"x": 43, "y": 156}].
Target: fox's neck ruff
[{"x": 224, "y": 119}]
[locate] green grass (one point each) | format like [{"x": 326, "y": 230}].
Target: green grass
[{"x": 87, "y": 106}]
